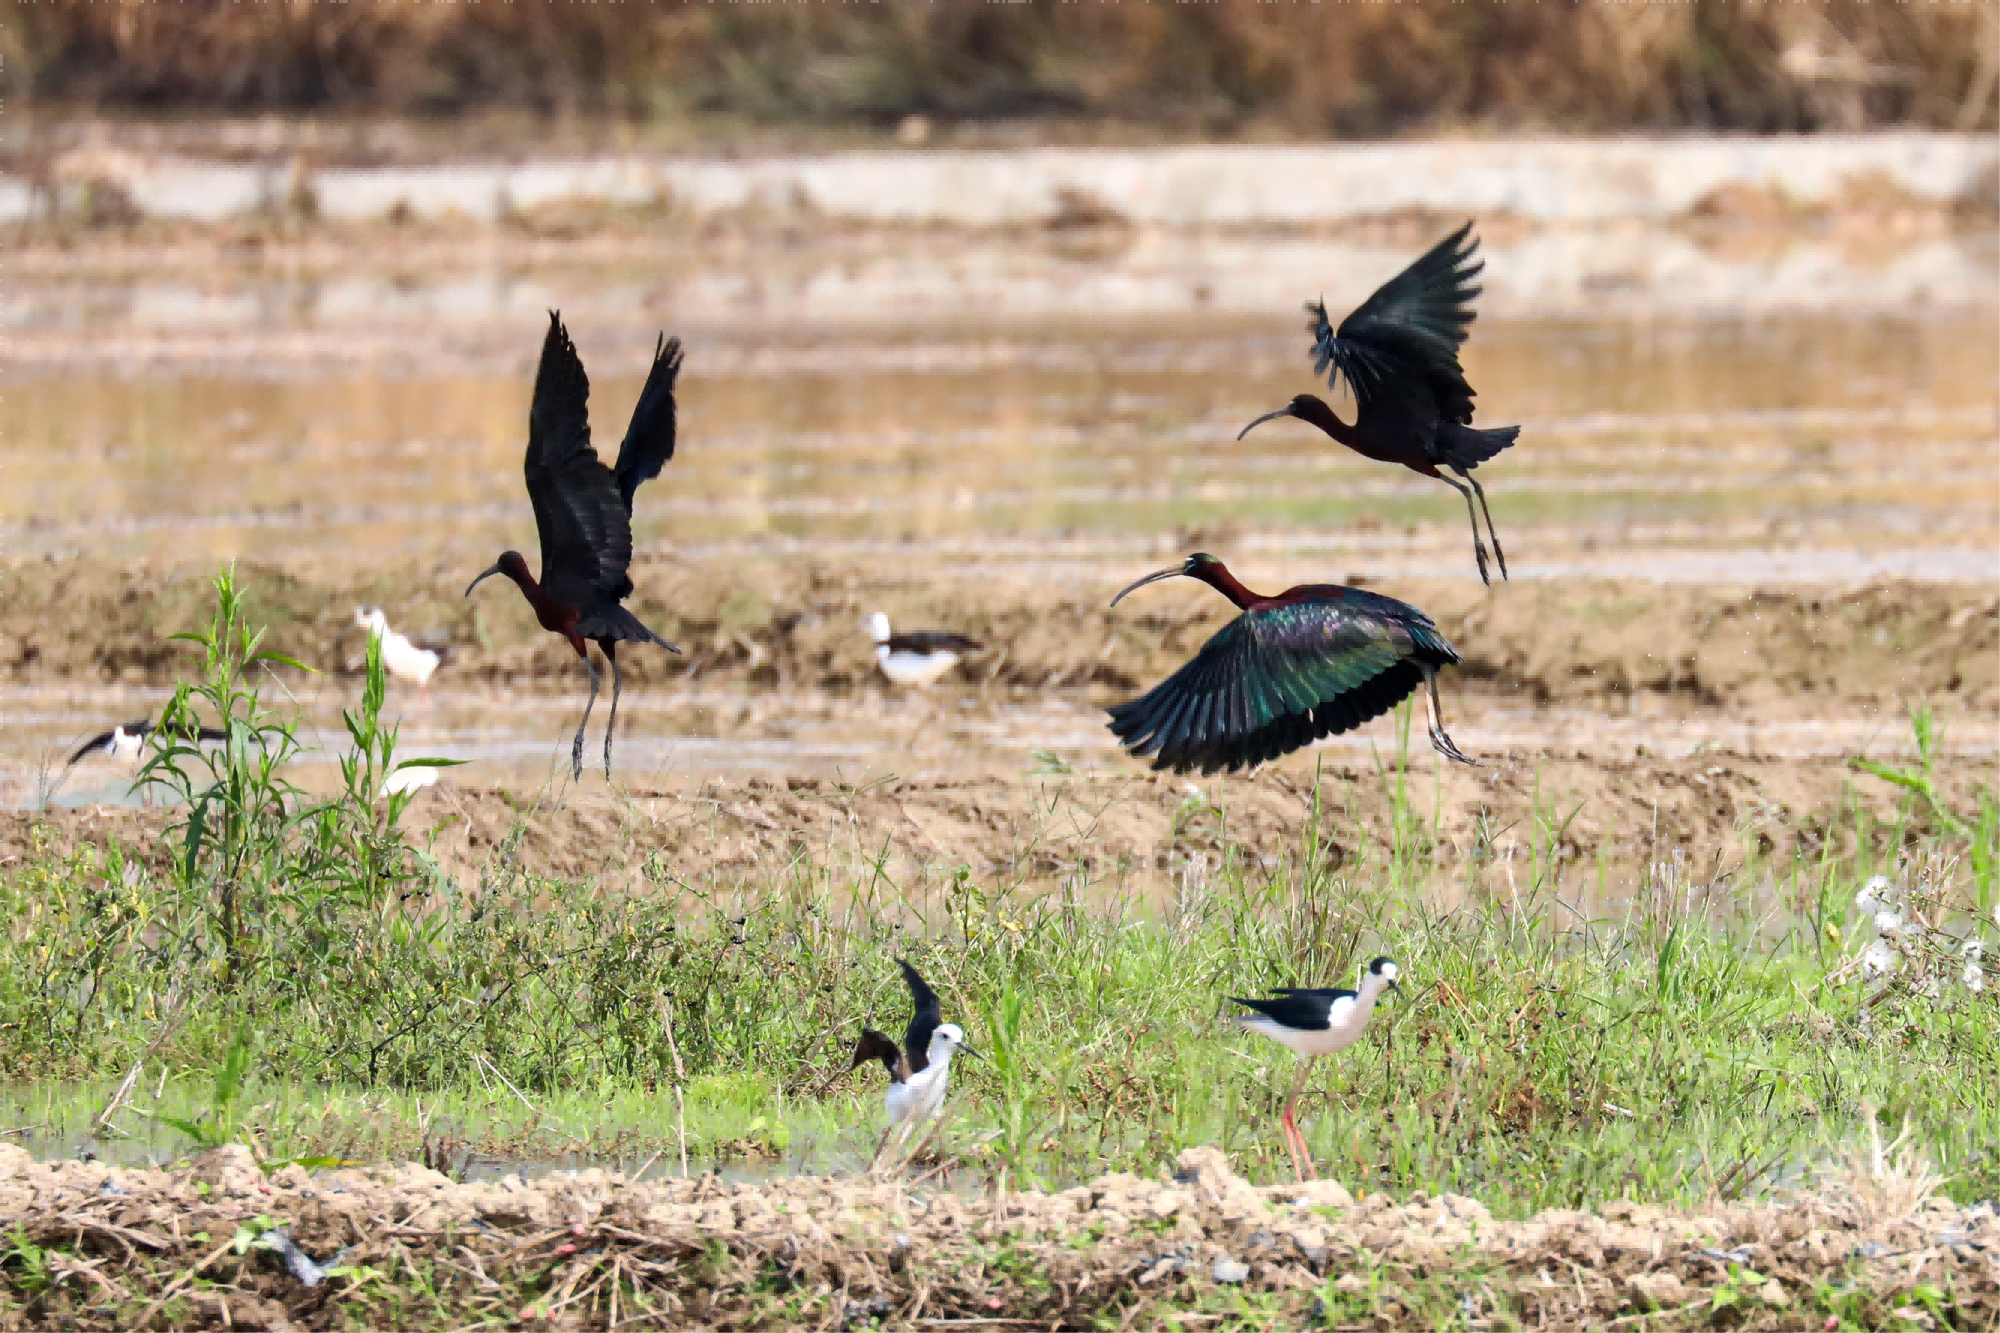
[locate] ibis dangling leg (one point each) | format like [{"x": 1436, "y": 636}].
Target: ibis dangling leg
[
  {"x": 1478, "y": 546},
  {"x": 1439, "y": 740},
  {"x": 576, "y": 746},
  {"x": 1480, "y": 491},
  {"x": 610, "y": 647}
]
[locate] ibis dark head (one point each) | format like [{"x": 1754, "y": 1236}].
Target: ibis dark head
[
  {"x": 1197, "y": 566},
  {"x": 1305, "y": 407},
  {"x": 511, "y": 563}
]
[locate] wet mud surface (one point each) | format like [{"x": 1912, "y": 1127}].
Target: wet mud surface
[{"x": 208, "y": 1246}]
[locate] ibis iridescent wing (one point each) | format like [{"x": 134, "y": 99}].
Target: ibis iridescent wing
[
  {"x": 1279, "y": 677},
  {"x": 586, "y": 533},
  {"x": 649, "y": 440},
  {"x": 1399, "y": 349}
]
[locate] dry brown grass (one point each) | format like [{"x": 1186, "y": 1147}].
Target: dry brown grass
[{"x": 1225, "y": 69}]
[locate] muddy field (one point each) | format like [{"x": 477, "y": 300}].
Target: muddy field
[{"x": 223, "y": 1245}]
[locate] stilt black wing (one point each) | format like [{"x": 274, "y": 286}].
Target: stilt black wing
[
  {"x": 917, "y": 1041},
  {"x": 931, "y": 641},
  {"x": 874, "y": 1046},
  {"x": 1307, "y": 1011}
]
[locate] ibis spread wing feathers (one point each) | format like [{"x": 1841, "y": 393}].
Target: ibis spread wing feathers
[
  {"x": 649, "y": 439},
  {"x": 1281, "y": 676},
  {"x": 1399, "y": 349},
  {"x": 580, "y": 513}
]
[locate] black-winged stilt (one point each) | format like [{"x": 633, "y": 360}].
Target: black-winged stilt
[
  {"x": 402, "y": 656},
  {"x": 917, "y": 659},
  {"x": 921, "y": 1070},
  {"x": 127, "y": 742},
  {"x": 1315, "y": 1023}
]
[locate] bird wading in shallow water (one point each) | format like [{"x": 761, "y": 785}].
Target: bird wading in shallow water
[
  {"x": 1399, "y": 353},
  {"x": 127, "y": 741},
  {"x": 1313, "y": 1023},
  {"x": 916, "y": 659},
  {"x": 583, "y": 512},
  {"x": 920, "y": 1072},
  {"x": 1313, "y": 661}
]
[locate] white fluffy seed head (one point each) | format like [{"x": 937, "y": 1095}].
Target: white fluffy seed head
[
  {"x": 1974, "y": 977},
  {"x": 1874, "y": 895},
  {"x": 1878, "y": 960},
  {"x": 1888, "y": 924}
]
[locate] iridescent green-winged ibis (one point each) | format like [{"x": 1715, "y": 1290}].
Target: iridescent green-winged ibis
[
  {"x": 1313, "y": 661},
  {"x": 1399, "y": 352},
  {"x": 1312, "y": 1023},
  {"x": 583, "y": 512}
]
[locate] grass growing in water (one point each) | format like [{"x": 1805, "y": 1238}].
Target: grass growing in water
[{"x": 1709, "y": 1037}]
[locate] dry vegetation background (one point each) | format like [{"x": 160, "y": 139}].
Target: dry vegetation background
[{"x": 1231, "y": 69}]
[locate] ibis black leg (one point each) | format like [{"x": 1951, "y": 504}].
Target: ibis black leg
[
  {"x": 1439, "y": 741},
  {"x": 1480, "y": 491},
  {"x": 1478, "y": 546},
  {"x": 610, "y": 647},
  {"x": 576, "y": 746}
]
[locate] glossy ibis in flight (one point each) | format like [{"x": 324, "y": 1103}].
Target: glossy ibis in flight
[
  {"x": 921, "y": 1070},
  {"x": 916, "y": 659},
  {"x": 1399, "y": 352},
  {"x": 402, "y": 657},
  {"x": 1313, "y": 661},
  {"x": 1313, "y": 1023},
  {"x": 583, "y": 512}
]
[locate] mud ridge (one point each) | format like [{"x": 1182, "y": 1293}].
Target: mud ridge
[
  {"x": 1548, "y": 819},
  {"x": 799, "y": 626},
  {"x": 567, "y": 1250}
]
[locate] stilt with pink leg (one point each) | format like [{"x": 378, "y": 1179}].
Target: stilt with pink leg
[{"x": 1313, "y": 1023}]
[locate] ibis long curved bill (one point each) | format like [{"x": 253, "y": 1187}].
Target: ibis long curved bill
[
  {"x": 484, "y": 575},
  {"x": 1174, "y": 572},
  {"x": 1285, "y": 411}
]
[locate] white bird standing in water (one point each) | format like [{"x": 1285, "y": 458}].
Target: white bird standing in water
[
  {"x": 1313, "y": 1023},
  {"x": 920, "y": 1073},
  {"x": 916, "y": 659},
  {"x": 400, "y": 657}
]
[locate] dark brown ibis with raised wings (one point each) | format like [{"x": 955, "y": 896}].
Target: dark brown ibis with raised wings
[
  {"x": 1313, "y": 661},
  {"x": 1399, "y": 353},
  {"x": 583, "y": 512}
]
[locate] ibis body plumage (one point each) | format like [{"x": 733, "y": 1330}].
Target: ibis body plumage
[
  {"x": 583, "y": 512},
  {"x": 1398, "y": 351},
  {"x": 1313, "y": 661}
]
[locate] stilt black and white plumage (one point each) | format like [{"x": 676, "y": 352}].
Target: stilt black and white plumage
[
  {"x": 920, "y": 658},
  {"x": 127, "y": 740},
  {"x": 1312, "y": 1023},
  {"x": 920, "y": 1071},
  {"x": 402, "y": 657}
]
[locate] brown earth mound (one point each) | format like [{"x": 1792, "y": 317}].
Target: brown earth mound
[
  {"x": 1502, "y": 825},
  {"x": 799, "y": 626},
  {"x": 221, "y": 1245}
]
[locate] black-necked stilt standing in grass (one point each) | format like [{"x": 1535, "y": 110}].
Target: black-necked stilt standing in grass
[
  {"x": 1399, "y": 352},
  {"x": 583, "y": 512},
  {"x": 402, "y": 656},
  {"x": 1315, "y": 1023},
  {"x": 917, "y": 659},
  {"x": 920, "y": 1072},
  {"x": 1313, "y": 661}
]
